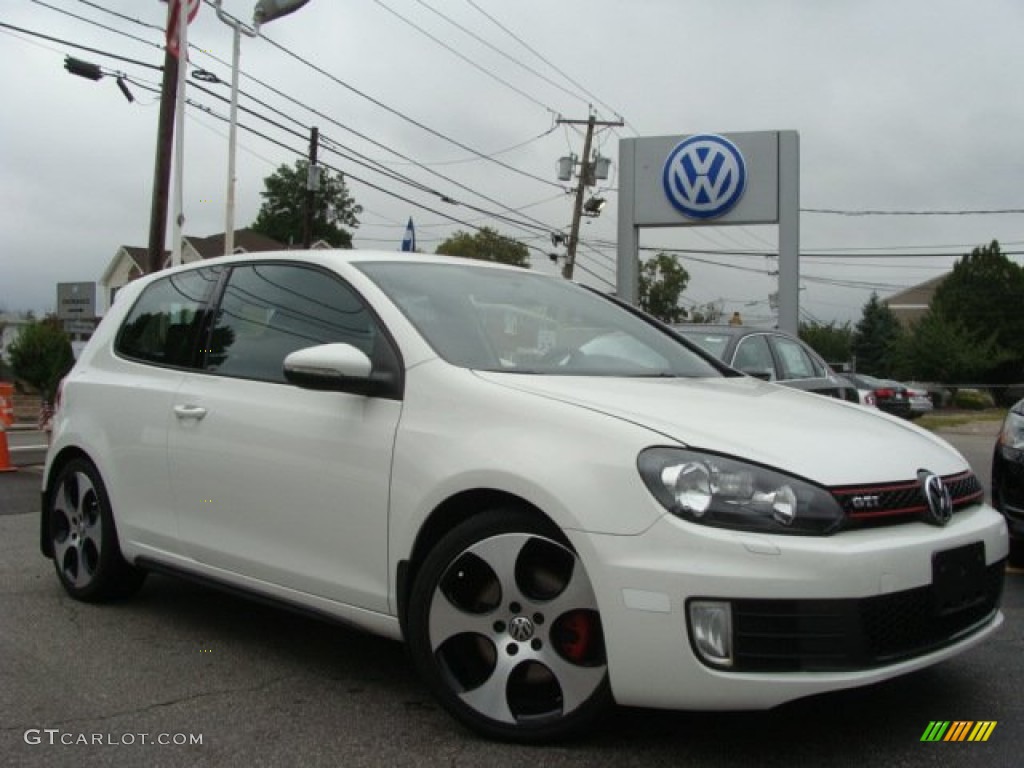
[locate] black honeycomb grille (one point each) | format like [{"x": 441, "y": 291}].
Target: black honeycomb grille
[{"x": 836, "y": 635}]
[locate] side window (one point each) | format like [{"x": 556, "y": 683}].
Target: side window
[
  {"x": 796, "y": 363},
  {"x": 164, "y": 325},
  {"x": 270, "y": 310},
  {"x": 754, "y": 356}
]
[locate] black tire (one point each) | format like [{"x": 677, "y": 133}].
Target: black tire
[
  {"x": 86, "y": 552},
  {"x": 529, "y": 633}
]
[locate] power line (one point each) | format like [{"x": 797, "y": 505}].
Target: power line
[
  {"x": 465, "y": 58},
  {"x": 345, "y": 174},
  {"x": 141, "y": 23},
  {"x": 869, "y": 212},
  {"x": 540, "y": 56},
  {"x": 500, "y": 52},
  {"x": 406, "y": 118},
  {"x": 476, "y": 153},
  {"x": 96, "y": 23},
  {"x": 534, "y": 223},
  {"x": 524, "y": 225},
  {"x": 424, "y": 163},
  {"x": 79, "y": 46}
]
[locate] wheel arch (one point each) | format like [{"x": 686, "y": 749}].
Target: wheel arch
[{"x": 447, "y": 515}]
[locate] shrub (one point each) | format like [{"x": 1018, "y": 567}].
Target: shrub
[{"x": 973, "y": 400}]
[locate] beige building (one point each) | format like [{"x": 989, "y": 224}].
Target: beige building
[
  {"x": 129, "y": 262},
  {"x": 910, "y": 305}
]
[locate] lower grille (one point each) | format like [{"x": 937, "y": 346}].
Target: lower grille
[{"x": 837, "y": 635}]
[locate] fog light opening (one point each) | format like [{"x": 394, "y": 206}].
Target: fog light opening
[{"x": 711, "y": 629}]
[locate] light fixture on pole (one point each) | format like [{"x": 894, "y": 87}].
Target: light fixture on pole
[
  {"x": 265, "y": 11},
  {"x": 594, "y": 206}
]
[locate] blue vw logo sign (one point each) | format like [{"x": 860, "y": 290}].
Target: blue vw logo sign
[{"x": 704, "y": 176}]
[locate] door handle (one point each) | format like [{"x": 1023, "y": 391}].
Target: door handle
[{"x": 189, "y": 412}]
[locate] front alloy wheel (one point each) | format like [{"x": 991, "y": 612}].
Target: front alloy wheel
[{"x": 505, "y": 629}]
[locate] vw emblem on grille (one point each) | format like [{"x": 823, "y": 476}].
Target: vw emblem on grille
[
  {"x": 940, "y": 502},
  {"x": 521, "y": 629},
  {"x": 704, "y": 176}
]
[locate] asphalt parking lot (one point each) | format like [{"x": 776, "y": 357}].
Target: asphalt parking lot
[{"x": 260, "y": 686}]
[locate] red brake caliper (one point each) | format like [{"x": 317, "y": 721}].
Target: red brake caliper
[{"x": 575, "y": 635}]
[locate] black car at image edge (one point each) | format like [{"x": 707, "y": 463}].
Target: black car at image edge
[{"x": 1008, "y": 478}]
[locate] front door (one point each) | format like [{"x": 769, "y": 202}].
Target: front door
[{"x": 273, "y": 482}]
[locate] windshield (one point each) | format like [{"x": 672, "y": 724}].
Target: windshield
[{"x": 521, "y": 322}]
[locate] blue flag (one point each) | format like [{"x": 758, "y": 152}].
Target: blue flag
[{"x": 409, "y": 241}]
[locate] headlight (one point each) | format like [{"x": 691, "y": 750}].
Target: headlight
[
  {"x": 1012, "y": 435},
  {"x": 728, "y": 493}
]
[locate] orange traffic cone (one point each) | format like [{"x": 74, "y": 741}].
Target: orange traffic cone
[{"x": 5, "y": 454}]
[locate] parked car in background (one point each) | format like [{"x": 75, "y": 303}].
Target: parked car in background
[
  {"x": 771, "y": 355},
  {"x": 1008, "y": 478},
  {"x": 554, "y": 501},
  {"x": 920, "y": 401},
  {"x": 890, "y": 396}
]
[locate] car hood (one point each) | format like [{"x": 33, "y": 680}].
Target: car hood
[{"x": 822, "y": 439}]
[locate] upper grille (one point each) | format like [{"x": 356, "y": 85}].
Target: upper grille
[{"x": 888, "y": 503}]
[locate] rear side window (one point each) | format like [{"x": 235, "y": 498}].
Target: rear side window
[
  {"x": 753, "y": 356},
  {"x": 796, "y": 362},
  {"x": 164, "y": 325},
  {"x": 271, "y": 310}
]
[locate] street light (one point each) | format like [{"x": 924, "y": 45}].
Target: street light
[
  {"x": 265, "y": 11},
  {"x": 91, "y": 71}
]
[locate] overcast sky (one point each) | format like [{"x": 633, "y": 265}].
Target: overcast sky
[{"x": 910, "y": 105}]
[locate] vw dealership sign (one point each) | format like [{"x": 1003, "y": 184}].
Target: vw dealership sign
[
  {"x": 712, "y": 180},
  {"x": 704, "y": 176}
]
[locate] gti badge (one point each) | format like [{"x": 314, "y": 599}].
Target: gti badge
[
  {"x": 704, "y": 176},
  {"x": 865, "y": 502},
  {"x": 940, "y": 502}
]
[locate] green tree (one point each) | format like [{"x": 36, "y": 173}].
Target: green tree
[
  {"x": 41, "y": 356},
  {"x": 875, "y": 338},
  {"x": 940, "y": 349},
  {"x": 486, "y": 245},
  {"x": 661, "y": 282},
  {"x": 983, "y": 294},
  {"x": 282, "y": 214},
  {"x": 833, "y": 342}
]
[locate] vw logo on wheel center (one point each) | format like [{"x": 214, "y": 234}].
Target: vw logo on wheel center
[{"x": 704, "y": 176}]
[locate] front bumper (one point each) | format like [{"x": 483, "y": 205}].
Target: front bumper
[{"x": 876, "y": 583}]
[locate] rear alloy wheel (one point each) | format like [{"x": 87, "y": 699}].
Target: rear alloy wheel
[
  {"x": 85, "y": 548},
  {"x": 504, "y": 627}
]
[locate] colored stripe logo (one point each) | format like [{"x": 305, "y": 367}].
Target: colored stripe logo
[{"x": 959, "y": 730}]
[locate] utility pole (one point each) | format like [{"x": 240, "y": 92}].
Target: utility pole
[
  {"x": 312, "y": 185},
  {"x": 162, "y": 169},
  {"x": 586, "y": 175}
]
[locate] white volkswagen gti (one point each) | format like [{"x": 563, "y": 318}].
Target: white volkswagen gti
[{"x": 557, "y": 503}]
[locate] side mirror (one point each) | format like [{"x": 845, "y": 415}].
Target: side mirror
[{"x": 336, "y": 367}]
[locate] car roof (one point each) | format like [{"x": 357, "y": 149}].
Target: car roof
[
  {"x": 349, "y": 256},
  {"x": 726, "y": 330}
]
